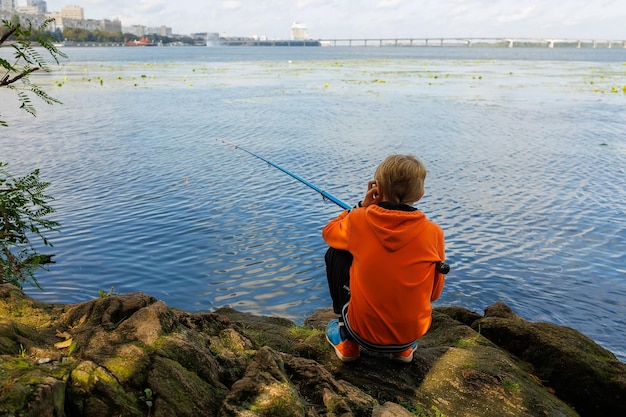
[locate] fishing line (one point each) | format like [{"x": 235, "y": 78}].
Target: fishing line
[
  {"x": 325, "y": 195},
  {"x": 442, "y": 267}
]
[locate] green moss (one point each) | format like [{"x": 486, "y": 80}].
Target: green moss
[
  {"x": 18, "y": 376},
  {"x": 29, "y": 312},
  {"x": 413, "y": 408},
  {"x": 15, "y": 399},
  {"x": 279, "y": 407},
  {"x": 303, "y": 332},
  {"x": 466, "y": 342},
  {"x": 121, "y": 368},
  {"x": 278, "y": 399},
  {"x": 17, "y": 364},
  {"x": 510, "y": 385},
  {"x": 8, "y": 345}
]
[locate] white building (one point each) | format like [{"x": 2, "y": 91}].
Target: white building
[{"x": 299, "y": 31}]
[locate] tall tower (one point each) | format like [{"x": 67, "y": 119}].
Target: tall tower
[{"x": 299, "y": 31}]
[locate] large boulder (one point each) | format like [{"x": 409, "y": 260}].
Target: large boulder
[
  {"x": 576, "y": 368},
  {"x": 132, "y": 355}
]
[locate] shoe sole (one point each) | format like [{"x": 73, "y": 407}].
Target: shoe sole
[
  {"x": 404, "y": 359},
  {"x": 339, "y": 355}
]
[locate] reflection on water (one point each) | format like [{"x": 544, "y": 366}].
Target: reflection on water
[{"x": 526, "y": 159}]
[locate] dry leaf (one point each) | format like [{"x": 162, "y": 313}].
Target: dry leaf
[
  {"x": 63, "y": 344},
  {"x": 64, "y": 335}
]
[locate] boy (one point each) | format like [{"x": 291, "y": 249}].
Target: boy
[{"x": 387, "y": 252}]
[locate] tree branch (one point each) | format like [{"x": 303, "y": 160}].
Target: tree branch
[
  {"x": 8, "y": 33},
  {"x": 6, "y": 80}
]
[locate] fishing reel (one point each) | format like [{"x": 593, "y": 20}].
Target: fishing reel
[{"x": 443, "y": 268}]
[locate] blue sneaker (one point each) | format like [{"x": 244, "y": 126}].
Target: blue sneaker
[
  {"x": 346, "y": 350},
  {"x": 405, "y": 356}
]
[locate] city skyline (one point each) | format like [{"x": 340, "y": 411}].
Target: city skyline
[{"x": 327, "y": 19}]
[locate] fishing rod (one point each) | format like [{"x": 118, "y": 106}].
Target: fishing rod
[
  {"x": 325, "y": 195},
  {"x": 442, "y": 267}
]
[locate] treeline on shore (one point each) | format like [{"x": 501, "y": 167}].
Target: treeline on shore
[{"x": 84, "y": 35}]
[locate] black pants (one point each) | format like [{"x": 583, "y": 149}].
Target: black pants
[{"x": 338, "y": 264}]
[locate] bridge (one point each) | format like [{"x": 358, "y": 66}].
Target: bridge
[{"x": 493, "y": 42}]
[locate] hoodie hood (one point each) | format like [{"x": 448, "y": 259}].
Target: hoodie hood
[{"x": 394, "y": 229}]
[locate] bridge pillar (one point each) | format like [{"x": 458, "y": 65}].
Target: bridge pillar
[
  {"x": 441, "y": 44},
  {"x": 578, "y": 44},
  {"x": 511, "y": 41},
  {"x": 469, "y": 43},
  {"x": 425, "y": 42}
]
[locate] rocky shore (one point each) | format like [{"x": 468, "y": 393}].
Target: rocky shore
[{"x": 132, "y": 355}]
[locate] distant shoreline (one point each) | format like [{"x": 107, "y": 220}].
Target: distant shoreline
[{"x": 409, "y": 43}]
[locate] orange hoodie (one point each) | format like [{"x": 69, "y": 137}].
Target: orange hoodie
[{"x": 393, "y": 277}]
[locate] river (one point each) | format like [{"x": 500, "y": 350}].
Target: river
[{"x": 525, "y": 149}]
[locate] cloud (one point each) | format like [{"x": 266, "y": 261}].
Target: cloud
[
  {"x": 150, "y": 6},
  {"x": 517, "y": 15},
  {"x": 303, "y": 4},
  {"x": 231, "y": 4},
  {"x": 390, "y": 4}
]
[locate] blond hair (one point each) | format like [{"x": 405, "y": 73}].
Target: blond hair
[{"x": 401, "y": 178}]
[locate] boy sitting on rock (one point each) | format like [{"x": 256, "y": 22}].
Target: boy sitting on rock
[{"x": 382, "y": 265}]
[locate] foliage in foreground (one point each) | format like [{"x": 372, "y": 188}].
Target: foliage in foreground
[
  {"x": 24, "y": 205},
  {"x": 23, "y": 210},
  {"x": 26, "y": 60}
]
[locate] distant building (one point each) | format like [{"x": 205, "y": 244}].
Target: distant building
[
  {"x": 159, "y": 30},
  {"x": 113, "y": 26},
  {"x": 299, "y": 31},
  {"x": 200, "y": 39},
  {"x": 73, "y": 12},
  {"x": 27, "y": 10},
  {"x": 41, "y": 5},
  {"x": 62, "y": 21},
  {"x": 7, "y": 5},
  {"x": 137, "y": 30},
  {"x": 28, "y": 13}
]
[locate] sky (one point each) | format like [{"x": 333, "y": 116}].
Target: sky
[{"x": 343, "y": 19}]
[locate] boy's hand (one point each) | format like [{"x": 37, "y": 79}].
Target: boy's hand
[{"x": 373, "y": 194}]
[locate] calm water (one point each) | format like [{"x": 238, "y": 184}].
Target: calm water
[{"x": 526, "y": 151}]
